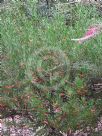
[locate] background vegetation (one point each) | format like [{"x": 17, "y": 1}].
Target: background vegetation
[{"x": 46, "y": 77}]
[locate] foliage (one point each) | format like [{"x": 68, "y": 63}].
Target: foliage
[{"x": 44, "y": 74}]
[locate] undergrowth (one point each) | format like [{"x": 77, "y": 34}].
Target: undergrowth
[{"x": 43, "y": 70}]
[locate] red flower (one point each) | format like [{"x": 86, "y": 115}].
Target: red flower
[{"x": 92, "y": 32}]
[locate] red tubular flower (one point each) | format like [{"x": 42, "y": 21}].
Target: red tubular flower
[{"x": 92, "y": 32}]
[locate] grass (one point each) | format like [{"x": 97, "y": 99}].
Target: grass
[
  {"x": 22, "y": 37},
  {"x": 40, "y": 51}
]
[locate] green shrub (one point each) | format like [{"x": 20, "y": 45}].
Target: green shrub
[{"x": 44, "y": 73}]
